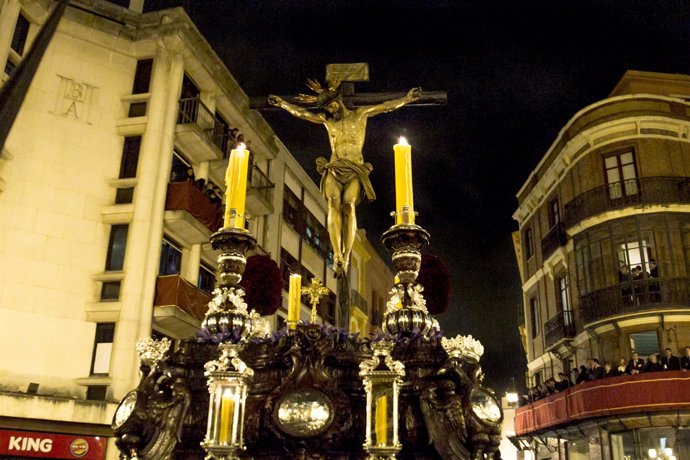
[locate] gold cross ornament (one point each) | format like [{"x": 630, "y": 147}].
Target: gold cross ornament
[{"x": 315, "y": 291}]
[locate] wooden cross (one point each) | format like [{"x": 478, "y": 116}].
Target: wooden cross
[
  {"x": 315, "y": 291},
  {"x": 348, "y": 75}
]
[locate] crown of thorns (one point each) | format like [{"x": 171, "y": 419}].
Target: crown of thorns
[{"x": 323, "y": 95}]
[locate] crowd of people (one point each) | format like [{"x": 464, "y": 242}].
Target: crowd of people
[
  {"x": 594, "y": 370},
  {"x": 183, "y": 173}
]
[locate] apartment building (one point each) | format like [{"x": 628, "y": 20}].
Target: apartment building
[{"x": 603, "y": 250}]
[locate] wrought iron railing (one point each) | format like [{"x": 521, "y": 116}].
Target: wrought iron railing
[
  {"x": 634, "y": 296},
  {"x": 193, "y": 111},
  {"x": 559, "y": 327},
  {"x": 553, "y": 240},
  {"x": 618, "y": 195},
  {"x": 261, "y": 183}
]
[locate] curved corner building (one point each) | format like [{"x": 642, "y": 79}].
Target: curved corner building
[{"x": 610, "y": 198}]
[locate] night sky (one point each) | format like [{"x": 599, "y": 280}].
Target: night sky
[{"x": 515, "y": 73}]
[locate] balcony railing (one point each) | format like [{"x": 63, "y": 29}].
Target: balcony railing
[
  {"x": 617, "y": 195},
  {"x": 553, "y": 240},
  {"x": 261, "y": 183},
  {"x": 628, "y": 394},
  {"x": 635, "y": 296},
  {"x": 185, "y": 196},
  {"x": 176, "y": 291},
  {"x": 559, "y": 327},
  {"x": 193, "y": 111},
  {"x": 358, "y": 300}
]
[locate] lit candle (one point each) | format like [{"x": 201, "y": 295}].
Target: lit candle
[
  {"x": 404, "y": 200},
  {"x": 227, "y": 408},
  {"x": 236, "y": 187},
  {"x": 381, "y": 420},
  {"x": 294, "y": 300}
]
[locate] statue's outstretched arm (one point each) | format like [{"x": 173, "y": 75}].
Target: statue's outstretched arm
[
  {"x": 394, "y": 104},
  {"x": 294, "y": 110}
]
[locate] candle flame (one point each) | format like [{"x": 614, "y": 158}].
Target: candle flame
[
  {"x": 241, "y": 146},
  {"x": 402, "y": 141}
]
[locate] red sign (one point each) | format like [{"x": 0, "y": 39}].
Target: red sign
[{"x": 48, "y": 445}]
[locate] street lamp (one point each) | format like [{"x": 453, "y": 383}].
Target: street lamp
[{"x": 511, "y": 392}]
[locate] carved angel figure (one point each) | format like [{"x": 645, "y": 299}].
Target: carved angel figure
[{"x": 445, "y": 420}]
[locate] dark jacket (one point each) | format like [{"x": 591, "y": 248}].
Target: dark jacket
[
  {"x": 670, "y": 364},
  {"x": 636, "y": 365}
]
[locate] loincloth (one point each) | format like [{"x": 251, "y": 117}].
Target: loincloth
[{"x": 344, "y": 171}]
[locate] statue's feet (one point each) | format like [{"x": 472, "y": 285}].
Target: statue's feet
[{"x": 338, "y": 264}]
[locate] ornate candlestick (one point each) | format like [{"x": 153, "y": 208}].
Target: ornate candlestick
[
  {"x": 406, "y": 311},
  {"x": 227, "y": 314}
]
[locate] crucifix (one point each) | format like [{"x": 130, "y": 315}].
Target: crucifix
[
  {"x": 314, "y": 291},
  {"x": 345, "y": 176}
]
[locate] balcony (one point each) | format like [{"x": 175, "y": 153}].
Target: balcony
[
  {"x": 259, "y": 193},
  {"x": 635, "y": 192},
  {"x": 358, "y": 300},
  {"x": 199, "y": 134},
  {"x": 561, "y": 326},
  {"x": 635, "y": 296},
  {"x": 190, "y": 214},
  {"x": 179, "y": 305},
  {"x": 627, "y": 394},
  {"x": 553, "y": 240}
]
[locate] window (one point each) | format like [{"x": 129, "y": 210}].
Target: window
[
  {"x": 142, "y": 76},
  {"x": 645, "y": 343},
  {"x": 103, "y": 348},
  {"x": 207, "y": 278},
  {"x": 288, "y": 266},
  {"x": 116, "y": 248},
  {"x": 534, "y": 316},
  {"x": 130, "y": 157},
  {"x": 621, "y": 175},
  {"x": 292, "y": 209},
  {"x": 110, "y": 291},
  {"x": 328, "y": 305},
  {"x": 563, "y": 299},
  {"x": 554, "y": 213},
  {"x": 529, "y": 243},
  {"x": 142, "y": 81},
  {"x": 21, "y": 31},
  {"x": 96, "y": 392},
  {"x": 124, "y": 195},
  {"x": 171, "y": 258},
  {"x": 181, "y": 169}
]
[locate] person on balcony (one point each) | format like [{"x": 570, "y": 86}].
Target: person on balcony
[
  {"x": 596, "y": 372},
  {"x": 582, "y": 376},
  {"x": 563, "y": 382},
  {"x": 653, "y": 364},
  {"x": 654, "y": 290},
  {"x": 625, "y": 281},
  {"x": 609, "y": 370},
  {"x": 635, "y": 365},
  {"x": 685, "y": 360},
  {"x": 620, "y": 370},
  {"x": 670, "y": 362}
]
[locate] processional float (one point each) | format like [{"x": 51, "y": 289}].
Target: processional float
[{"x": 311, "y": 391}]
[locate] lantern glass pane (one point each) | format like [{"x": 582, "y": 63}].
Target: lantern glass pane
[{"x": 382, "y": 421}]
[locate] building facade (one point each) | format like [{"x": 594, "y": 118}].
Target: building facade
[
  {"x": 603, "y": 250},
  {"x": 111, "y": 183}
]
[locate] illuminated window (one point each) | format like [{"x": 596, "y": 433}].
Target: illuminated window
[{"x": 621, "y": 175}]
